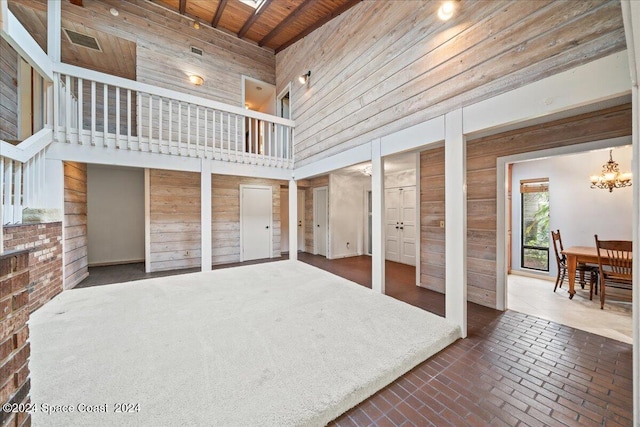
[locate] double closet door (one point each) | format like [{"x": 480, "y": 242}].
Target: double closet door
[{"x": 400, "y": 217}]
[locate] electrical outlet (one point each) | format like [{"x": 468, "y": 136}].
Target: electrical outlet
[
  {"x": 347, "y": 245},
  {"x": 441, "y": 224}
]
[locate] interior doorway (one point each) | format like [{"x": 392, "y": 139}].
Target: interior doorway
[
  {"x": 527, "y": 271},
  {"x": 256, "y": 232},
  {"x": 320, "y": 217}
]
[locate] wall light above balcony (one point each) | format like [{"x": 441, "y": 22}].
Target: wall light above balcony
[{"x": 196, "y": 79}]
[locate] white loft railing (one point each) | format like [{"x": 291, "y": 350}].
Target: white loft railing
[
  {"x": 22, "y": 176},
  {"x": 96, "y": 109}
]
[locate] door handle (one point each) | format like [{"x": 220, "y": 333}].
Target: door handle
[
  {"x": 401, "y": 228},
  {"x": 267, "y": 226},
  {"x": 318, "y": 225},
  {"x": 397, "y": 227},
  {"x": 299, "y": 223}
]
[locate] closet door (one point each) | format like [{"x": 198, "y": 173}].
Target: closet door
[
  {"x": 408, "y": 225},
  {"x": 392, "y": 224}
]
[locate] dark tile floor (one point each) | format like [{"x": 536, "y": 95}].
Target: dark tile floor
[{"x": 512, "y": 369}]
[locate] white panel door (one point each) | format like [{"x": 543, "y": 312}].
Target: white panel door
[
  {"x": 392, "y": 224},
  {"x": 408, "y": 225},
  {"x": 301, "y": 244},
  {"x": 255, "y": 222},
  {"x": 320, "y": 216}
]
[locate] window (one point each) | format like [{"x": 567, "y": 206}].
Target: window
[{"x": 535, "y": 224}]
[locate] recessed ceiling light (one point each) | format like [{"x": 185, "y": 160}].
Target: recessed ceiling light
[
  {"x": 445, "y": 11},
  {"x": 114, "y": 11}
]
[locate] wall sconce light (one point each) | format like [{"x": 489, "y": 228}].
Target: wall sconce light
[
  {"x": 196, "y": 25},
  {"x": 445, "y": 11},
  {"x": 303, "y": 78},
  {"x": 196, "y": 79},
  {"x": 367, "y": 170}
]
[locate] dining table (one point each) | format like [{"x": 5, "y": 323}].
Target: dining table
[{"x": 580, "y": 255}]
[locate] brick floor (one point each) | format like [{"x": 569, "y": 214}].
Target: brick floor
[{"x": 512, "y": 370}]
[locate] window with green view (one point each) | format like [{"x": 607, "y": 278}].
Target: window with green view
[{"x": 535, "y": 224}]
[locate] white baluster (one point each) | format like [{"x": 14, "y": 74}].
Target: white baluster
[
  {"x": 117, "y": 145},
  {"x": 160, "y": 125},
  {"x": 139, "y": 119},
  {"x": 149, "y": 148},
  {"x": 67, "y": 109},
  {"x": 80, "y": 111},
  {"x": 188, "y": 129},
  {"x": 8, "y": 186},
  {"x": 170, "y": 106},
  {"x": 179, "y": 128},
  {"x": 197, "y": 129},
  {"x": 204, "y": 154},
  {"x": 105, "y": 113},
  {"x": 17, "y": 193},
  {"x": 129, "y": 119},
  {"x": 236, "y": 137},
  {"x": 93, "y": 113}
]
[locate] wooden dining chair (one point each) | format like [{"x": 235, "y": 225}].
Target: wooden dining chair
[
  {"x": 581, "y": 269},
  {"x": 615, "y": 271}
]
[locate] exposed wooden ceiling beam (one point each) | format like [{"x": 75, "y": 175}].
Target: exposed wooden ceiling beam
[
  {"x": 348, "y": 5},
  {"x": 286, "y": 21},
  {"x": 218, "y": 15},
  {"x": 254, "y": 17},
  {"x": 183, "y": 6}
]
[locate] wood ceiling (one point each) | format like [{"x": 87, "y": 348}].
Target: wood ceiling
[{"x": 275, "y": 24}]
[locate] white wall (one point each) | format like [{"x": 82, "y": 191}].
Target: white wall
[
  {"x": 115, "y": 214},
  {"x": 576, "y": 209},
  {"x": 347, "y": 214}
]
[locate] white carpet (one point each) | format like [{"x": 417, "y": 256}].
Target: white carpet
[{"x": 276, "y": 344}]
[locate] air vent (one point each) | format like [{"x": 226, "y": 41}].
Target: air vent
[
  {"x": 83, "y": 40},
  {"x": 196, "y": 50}
]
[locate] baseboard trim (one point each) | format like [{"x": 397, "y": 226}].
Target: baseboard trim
[{"x": 107, "y": 264}]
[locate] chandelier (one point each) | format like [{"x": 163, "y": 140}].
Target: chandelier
[{"x": 610, "y": 177}]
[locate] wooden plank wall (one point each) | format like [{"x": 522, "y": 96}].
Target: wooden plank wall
[
  {"x": 76, "y": 261},
  {"x": 482, "y": 156},
  {"x": 225, "y": 216},
  {"x": 174, "y": 219},
  {"x": 383, "y": 66},
  {"x": 8, "y": 92},
  {"x": 431, "y": 213},
  {"x": 163, "y": 53},
  {"x": 308, "y": 186}
]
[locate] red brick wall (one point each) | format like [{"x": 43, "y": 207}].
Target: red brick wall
[
  {"x": 45, "y": 259},
  {"x": 14, "y": 333}
]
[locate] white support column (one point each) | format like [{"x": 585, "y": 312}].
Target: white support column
[
  {"x": 455, "y": 221},
  {"x": 205, "y": 215},
  {"x": 377, "y": 218},
  {"x": 54, "y": 29},
  {"x": 631, "y": 19},
  {"x": 418, "y": 222},
  {"x": 147, "y": 220},
  {"x": 293, "y": 220}
]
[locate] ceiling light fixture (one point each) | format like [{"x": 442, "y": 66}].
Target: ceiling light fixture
[
  {"x": 610, "y": 177},
  {"x": 114, "y": 11},
  {"x": 445, "y": 11},
  {"x": 305, "y": 77},
  {"x": 196, "y": 79},
  {"x": 196, "y": 25}
]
